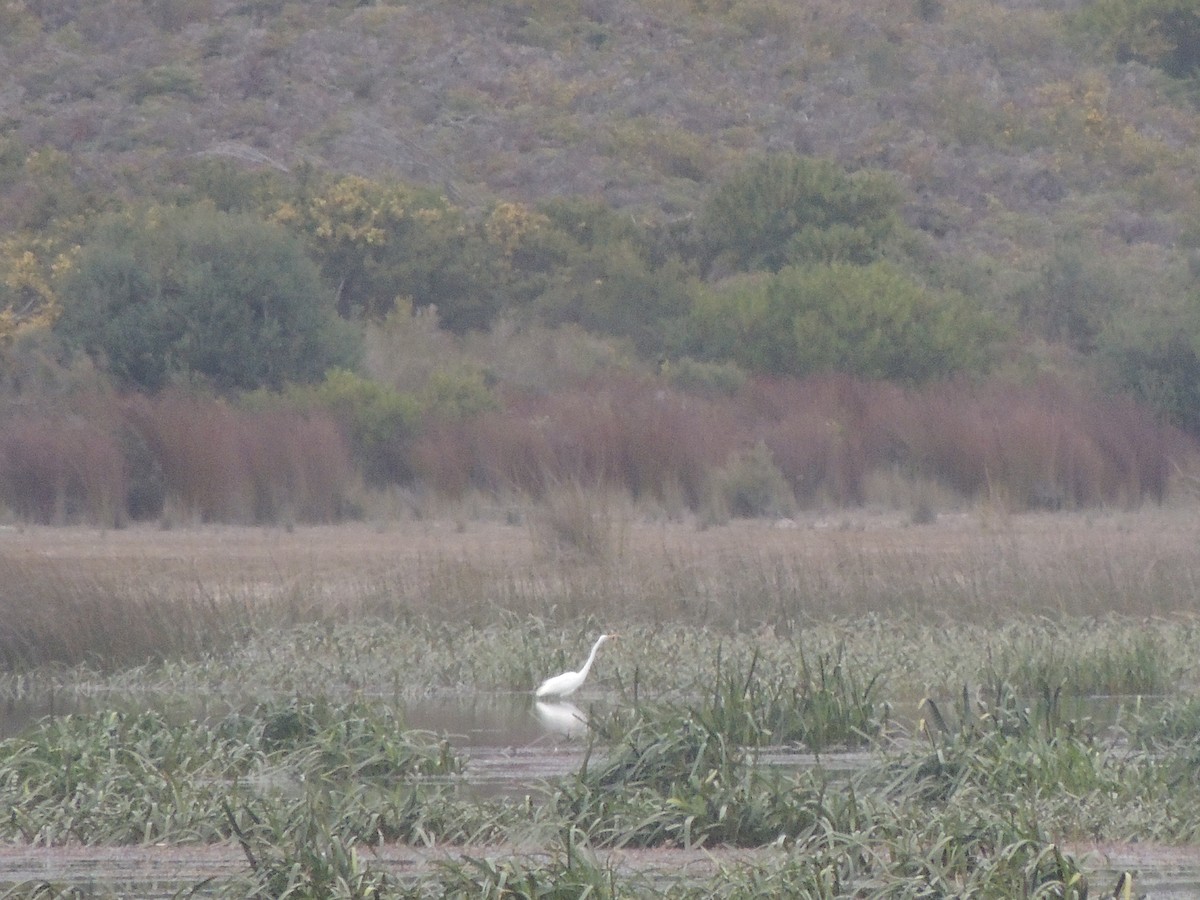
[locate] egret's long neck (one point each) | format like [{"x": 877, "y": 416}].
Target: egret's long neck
[{"x": 587, "y": 666}]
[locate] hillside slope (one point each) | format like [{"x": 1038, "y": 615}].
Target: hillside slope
[{"x": 1004, "y": 125}]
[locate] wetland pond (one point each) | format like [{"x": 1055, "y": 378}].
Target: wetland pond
[{"x": 512, "y": 745}]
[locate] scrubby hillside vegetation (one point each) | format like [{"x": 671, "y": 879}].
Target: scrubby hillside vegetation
[{"x": 279, "y": 260}]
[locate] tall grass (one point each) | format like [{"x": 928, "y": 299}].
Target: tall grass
[
  {"x": 56, "y": 617},
  {"x": 1041, "y": 594}
]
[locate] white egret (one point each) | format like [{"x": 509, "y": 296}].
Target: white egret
[{"x": 569, "y": 682}]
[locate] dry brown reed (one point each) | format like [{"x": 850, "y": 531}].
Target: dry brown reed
[
  {"x": 224, "y": 464},
  {"x": 53, "y": 615},
  {"x": 71, "y": 595}
]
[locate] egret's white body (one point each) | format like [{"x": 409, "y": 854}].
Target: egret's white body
[{"x": 569, "y": 682}]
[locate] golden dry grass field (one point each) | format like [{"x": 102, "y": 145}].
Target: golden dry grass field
[{"x": 1144, "y": 562}]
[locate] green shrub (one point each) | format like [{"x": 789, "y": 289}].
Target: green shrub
[
  {"x": 750, "y": 485},
  {"x": 172, "y": 294},
  {"x": 229, "y": 184},
  {"x": 457, "y": 393},
  {"x": 1073, "y": 296},
  {"x": 591, "y": 266},
  {"x": 165, "y": 80},
  {"x": 1162, "y": 33},
  {"x": 872, "y": 321},
  {"x": 379, "y": 241},
  {"x": 379, "y": 422},
  {"x": 787, "y": 209},
  {"x": 699, "y": 377},
  {"x": 1154, "y": 356}
]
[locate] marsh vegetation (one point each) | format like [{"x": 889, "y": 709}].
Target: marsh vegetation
[{"x": 855, "y": 707}]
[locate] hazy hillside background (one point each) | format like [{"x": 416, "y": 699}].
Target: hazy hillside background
[{"x": 555, "y": 169}]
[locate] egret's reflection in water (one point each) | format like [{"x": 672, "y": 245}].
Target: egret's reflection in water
[{"x": 561, "y": 717}]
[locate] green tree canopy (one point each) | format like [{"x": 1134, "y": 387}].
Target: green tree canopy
[
  {"x": 578, "y": 260},
  {"x": 377, "y": 241},
  {"x": 872, "y": 321},
  {"x": 1154, "y": 355},
  {"x": 170, "y": 292},
  {"x": 785, "y": 209}
]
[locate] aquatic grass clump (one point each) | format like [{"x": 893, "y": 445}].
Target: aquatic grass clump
[
  {"x": 570, "y": 873},
  {"x": 995, "y": 743},
  {"x": 672, "y": 780},
  {"x": 354, "y": 740},
  {"x": 293, "y": 851},
  {"x": 882, "y": 864},
  {"x": 1003, "y": 860},
  {"x": 959, "y": 821},
  {"x": 127, "y": 778},
  {"x": 1083, "y": 658},
  {"x": 818, "y": 705},
  {"x": 1162, "y": 725},
  {"x": 116, "y": 778},
  {"x": 1033, "y": 768}
]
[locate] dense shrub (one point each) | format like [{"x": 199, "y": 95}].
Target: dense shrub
[
  {"x": 582, "y": 262},
  {"x": 191, "y": 292},
  {"x": 218, "y": 463},
  {"x": 817, "y": 431},
  {"x": 106, "y": 460},
  {"x": 785, "y": 209},
  {"x": 813, "y": 441},
  {"x": 1072, "y": 298},
  {"x": 871, "y": 321},
  {"x": 57, "y": 469},
  {"x": 1155, "y": 357},
  {"x": 1041, "y": 445},
  {"x": 379, "y": 423},
  {"x": 750, "y": 485},
  {"x": 624, "y": 433},
  {"x": 772, "y": 444},
  {"x": 1163, "y": 33},
  {"x": 614, "y": 290},
  {"x": 457, "y": 392}
]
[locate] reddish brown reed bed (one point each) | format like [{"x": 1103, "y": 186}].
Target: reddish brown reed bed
[
  {"x": 1027, "y": 446},
  {"x": 108, "y": 459},
  {"x": 112, "y": 459}
]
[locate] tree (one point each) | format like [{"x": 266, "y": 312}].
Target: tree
[
  {"x": 1073, "y": 296},
  {"x": 377, "y": 241},
  {"x": 785, "y": 209},
  {"x": 1154, "y": 355},
  {"x": 27, "y": 298},
  {"x": 585, "y": 263},
  {"x": 184, "y": 292}
]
